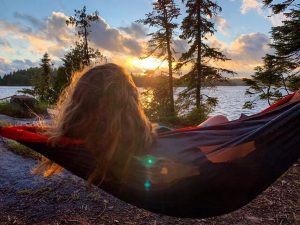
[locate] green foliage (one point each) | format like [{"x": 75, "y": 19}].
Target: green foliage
[
  {"x": 15, "y": 110},
  {"x": 191, "y": 115},
  {"x": 74, "y": 60},
  {"x": 156, "y": 101},
  {"x": 294, "y": 83},
  {"x": 286, "y": 38},
  {"x": 61, "y": 80},
  {"x": 20, "y": 77},
  {"x": 269, "y": 80},
  {"x": 281, "y": 70},
  {"x": 81, "y": 54},
  {"x": 194, "y": 117},
  {"x": 22, "y": 150},
  {"x": 43, "y": 84},
  {"x": 278, "y": 7},
  {"x": 43, "y": 81},
  {"x": 161, "y": 43}
]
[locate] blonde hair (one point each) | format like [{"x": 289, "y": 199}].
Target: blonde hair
[{"x": 101, "y": 106}]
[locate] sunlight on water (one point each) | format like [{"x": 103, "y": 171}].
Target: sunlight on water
[{"x": 231, "y": 99}]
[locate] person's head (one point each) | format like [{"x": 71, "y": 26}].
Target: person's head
[{"x": 102, "y": 107}]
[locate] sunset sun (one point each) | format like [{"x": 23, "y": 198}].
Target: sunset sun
[{"x": 150, "y": 63}]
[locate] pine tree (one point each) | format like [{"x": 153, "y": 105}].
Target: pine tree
[
  {"x": 161, "y": 43},
  {"x": 286, "y": 38},
  {"x": 196, "y": 26},
  {"x": 81, "y": 54},
  {"x": 270, "y": 80},
  {"x": 278, "y": 7},
  {"x": 43, "y": 82},
  {"x": 82, "y": 22},
  {"x": 279, "y": 73}
]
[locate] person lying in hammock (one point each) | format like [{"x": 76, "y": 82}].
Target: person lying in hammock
[
  {"x": 101, "y": 132},
  {"x": 102, "y": 107}
]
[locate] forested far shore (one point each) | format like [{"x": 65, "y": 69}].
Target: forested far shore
[
  {"x": 25, "y": 77},
  {"x": 20, "y": 77}
]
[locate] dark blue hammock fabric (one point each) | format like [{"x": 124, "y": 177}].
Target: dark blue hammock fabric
[{"x": 198, "y": 172}]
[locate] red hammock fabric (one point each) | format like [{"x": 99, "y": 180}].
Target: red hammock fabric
[{"x": 192, "y": 172}]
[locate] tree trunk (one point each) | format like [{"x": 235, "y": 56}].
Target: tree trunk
[
  {"x": 199, "y": 66},
  {"x": 172, "y": 108},
  {"x": 86, "y": 47},
  {"x": 168, "y": 40},
  {"x": 268, "y": 94},
  {"x": 284, "y": 84}
]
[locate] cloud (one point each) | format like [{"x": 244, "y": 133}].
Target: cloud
[
  {"x": 245, "y": 51},
  {"x": 55, "y": 36},
  {"x": 180, "y": 45},
  {"x": 251, "y": 46},
  {"x": 133, "y": 46},
  {"x": 7, "y": 67},
  {"x": 33, "y": 37},
  {"x": 57, "y": 30},
  {"x": 5, "y": 46},
  {"x": 32, "y": 20},
  {"x": 4, "y": 43},
  {"x": 135, "y": 30},
  {"x": 276, "y": 19},
  {"x": 251, "y": 5},
  {"x": 222, "y": 25},
  {"x": 44, "y": 37},
  {"x": 112, "y": 39}
]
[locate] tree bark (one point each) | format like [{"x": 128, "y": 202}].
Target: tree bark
[
  {"x": 199, "y": 66},
  {"x": 168, "y": 40},
  {"x": 86, "y": 47}
]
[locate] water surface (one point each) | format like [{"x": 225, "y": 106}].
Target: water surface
[{"x": 231, "y": 99}]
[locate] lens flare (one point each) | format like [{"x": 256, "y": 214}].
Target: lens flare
[
  {"x": 149, "y": 160},
  {"x": 147, "y": 184}
]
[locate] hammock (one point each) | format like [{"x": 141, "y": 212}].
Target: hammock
[{"x": 193, "y": 172}]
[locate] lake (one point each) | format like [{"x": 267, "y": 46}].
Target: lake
[{"x": 231, "y": 99}]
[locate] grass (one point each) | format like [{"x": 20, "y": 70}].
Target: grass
[
  {"x": 15, "y": 110},
  {"x": 3, "y": 123},
  {"x": 21, "y": 149}
]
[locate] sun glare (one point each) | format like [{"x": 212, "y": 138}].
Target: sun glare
[{"x": 150, "y": 63}]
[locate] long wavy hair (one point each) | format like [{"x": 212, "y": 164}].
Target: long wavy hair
[{"x": 101, "y": 106}]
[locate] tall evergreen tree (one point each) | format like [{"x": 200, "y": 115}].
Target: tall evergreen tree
[
  {"x": 42, "y": 82},
  {"x": 195, "y": 27},
  {"x": 281, "y": 70},
  {"x": 161, "y": 43},
  {"x": 82, "y": 22},
  {"x": 286, "y": 38},
  {"x": 44, "y": 87},
  {"x": 81, "y": 54}
]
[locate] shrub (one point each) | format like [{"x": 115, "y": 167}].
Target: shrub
[{"x": 15, "y": 110}]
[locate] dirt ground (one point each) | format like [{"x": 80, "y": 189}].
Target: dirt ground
[{"x": 66, "y": 199}]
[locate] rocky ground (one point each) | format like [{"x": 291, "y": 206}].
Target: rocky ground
[{"x": 66, "y": 199}]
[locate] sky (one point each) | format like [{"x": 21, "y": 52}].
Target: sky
[{"x": 30, "y": 28}]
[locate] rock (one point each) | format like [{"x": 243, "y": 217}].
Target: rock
[{"x": 24, "y": 101}]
